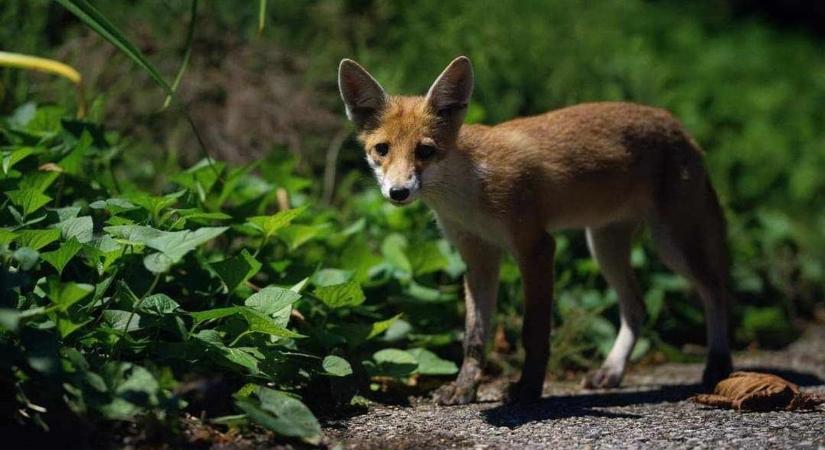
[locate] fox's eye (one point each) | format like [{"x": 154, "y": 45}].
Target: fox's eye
[
  {"x": 424, "y": 151},
  {"x": 382, "y": 149}
]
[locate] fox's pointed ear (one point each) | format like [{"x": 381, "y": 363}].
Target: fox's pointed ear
[
  {"x": 450, "y": 93},
  {"x": 363, "y": 97}
]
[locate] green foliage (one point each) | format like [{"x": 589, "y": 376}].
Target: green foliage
[
  {"x": 113, "y": 292},
  {"x": 112, "y": 288}
]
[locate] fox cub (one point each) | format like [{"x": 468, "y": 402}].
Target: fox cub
[{"x": 604, "y": 167}]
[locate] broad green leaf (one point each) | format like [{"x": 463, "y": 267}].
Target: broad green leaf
[
  {"x": 282, "y": 414},
  {"x": 430, "y": 364},
  {"x": 79, "y": 228},
  {"x": 260, "y": 323},
  {"x": 426, "y": 258},
  {"x": 37, "y": 239},
  {"x": 15, "y": 156},
  {"x": 66, "y": 327},
  {"x": 29, "y": 199},
  {"x": 382, "y": 326},
  {"x": 394, "y": 250},
  {"x": 272, "y": 299},
  {"x": 394, "y": 362},
  {"x": 122, "y": 320},
  {"x": 64, "y": 295},
  {"x": 155, "y": 204},
  {"x": 217, "y": 313},
  {"x": 69, "y": 212},
  {"x": 269, "y": 225},
  {"x": 297, "y": 235},
  {"x": 240, "y": 356},
  {"x": 174, "y": 244},
  {"x": 157, "y": 263},
  {"x": 113, "y": 205},
  {"x": 341, "y": 295},
  {"x": 9, "y": 318},
  {"x": 198, "y": 215},
  {"x": 7, "y": 236},
  {"x": 38, "y": 181},
  {"x": 237, "y": 270},
  {"x": 60, "y": 257},
  {"x": 27, "y": 257},
  {"x": 337, "y": 366},
  {"x": 327, "y": 277},
  {"x": 200, "y": 178},
  {"x": 159, "y": 305}
]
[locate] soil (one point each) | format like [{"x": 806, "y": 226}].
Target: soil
[{"x": 651, "y": 410}]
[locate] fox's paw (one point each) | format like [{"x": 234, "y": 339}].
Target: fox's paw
[
  {"x": 522, "y": 393},
  {"x": 455, "y": 394},
  {"x": 604, "y": 378}
]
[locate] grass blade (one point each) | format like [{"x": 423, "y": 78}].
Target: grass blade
[
  {"x": 261, "y": 16},
  {"x": 190, "y": 34},
  {"x": 89, "y": 15}
]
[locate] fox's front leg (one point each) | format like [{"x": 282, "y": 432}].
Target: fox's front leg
[
  {"x": 535, "y": 255},
  {"x": 480, "y": 290}
]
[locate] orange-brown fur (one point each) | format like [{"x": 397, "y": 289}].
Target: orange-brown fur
[{"x": 606, "y": 167}]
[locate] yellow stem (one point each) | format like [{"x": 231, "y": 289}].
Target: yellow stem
[{"x": 27, "y": 62}]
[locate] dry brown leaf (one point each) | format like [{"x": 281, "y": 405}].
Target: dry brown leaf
[{"x": 754, "y": 391}]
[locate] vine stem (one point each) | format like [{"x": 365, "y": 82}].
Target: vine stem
[{"x": 136, "y": 305}]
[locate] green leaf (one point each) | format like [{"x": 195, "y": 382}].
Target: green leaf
[
  {"x": 394, "y": 250},
  {"x": 430, "y": 364},
  {"x": 159, "y": 305},
  {"x": 113, "y": 205},
  {"x": 7, "y": 236},
  {"x": 174, "y": 244},
  {"x": 282, "y": 414},
  {"x": 66, "y": 327},
  {"x": 155, "y": 204},
  {"x": 9, "y": 319},
  {"x": 79, "y": 228},
  {"x": 260, "y": 323},
  {"x": 269, "y": 225},
  {"x": 272, "y": 299},
  {"x": 29, "y": 199},
  {"x": 336, "y": 366},
  {"x": 426, "y": 258},
  {"x": 297, "y": 235},
  {"x": 394, "y": 362},
  {"x": 382, "y": 326},
  {"x": 15, "y": 156},
  {"x": 217, "y": 313},
  {"x": 237, "y": 270},
  {"x": 157, "y": 263},
  {"x": 37, "y": 239},
  {"x": 327, "y": 277},
  {"x": 27, "y": 257},
  {"x": 122, "y": 320},
  {"x": 341, "y": 295},
  {"x": 60, "y": 257},
  {"x": 64, "y": 295}
]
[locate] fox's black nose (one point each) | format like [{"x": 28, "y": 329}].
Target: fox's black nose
[{"x": 399, "y": 194}]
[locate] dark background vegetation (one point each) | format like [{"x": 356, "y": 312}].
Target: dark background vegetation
[{"x": 746, "y": 78}]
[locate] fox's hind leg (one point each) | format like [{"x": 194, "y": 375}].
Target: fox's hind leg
[
  {"x": 610, "y": 246},
  {"x": 689, "y": 233}
]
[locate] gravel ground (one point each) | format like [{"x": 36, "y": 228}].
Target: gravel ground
[{"x": 651, "y": 411}]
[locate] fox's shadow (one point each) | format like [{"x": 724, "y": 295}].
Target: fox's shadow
[{"x": 585, "y": 404}]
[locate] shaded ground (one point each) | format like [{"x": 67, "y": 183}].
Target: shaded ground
[{"x": 652, "y": 410}]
